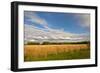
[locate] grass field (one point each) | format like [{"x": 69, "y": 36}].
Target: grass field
[{"x": 56, "y": 52}]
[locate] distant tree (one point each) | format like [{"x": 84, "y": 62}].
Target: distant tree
[{"x": 33, "y": 43}]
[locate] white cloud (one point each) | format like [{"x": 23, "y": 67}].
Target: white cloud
[
  {"x": 32, "y": 33},
  {"x": 34, "y": 18},
  {"x": 84, "y": 20}
]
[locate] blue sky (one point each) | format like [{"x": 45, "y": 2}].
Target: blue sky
[{"x": 68, "y": 22}]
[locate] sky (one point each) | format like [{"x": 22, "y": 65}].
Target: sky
[{"x": 57, "y": 24}]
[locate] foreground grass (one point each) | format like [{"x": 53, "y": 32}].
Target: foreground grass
[{"x": 69, "y": 55}]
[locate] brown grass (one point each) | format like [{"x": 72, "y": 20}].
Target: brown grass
[{"x": 44, "y": 50}]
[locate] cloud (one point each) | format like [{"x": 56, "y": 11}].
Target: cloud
[
  {"x": 35, "y": 18},
  {"x": 83, "y": 19},
  {"x": 32, "y": 32}
]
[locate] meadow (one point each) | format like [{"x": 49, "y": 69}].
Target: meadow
[{"x": 48, "y": 52}]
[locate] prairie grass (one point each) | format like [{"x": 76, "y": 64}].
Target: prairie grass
[{"x": 56, "y": 52}]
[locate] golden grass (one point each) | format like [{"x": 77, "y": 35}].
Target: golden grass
[{"x": 43, "y": 50}]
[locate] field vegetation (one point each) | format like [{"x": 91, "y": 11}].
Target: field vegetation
[{"x": 56, "y": 51}]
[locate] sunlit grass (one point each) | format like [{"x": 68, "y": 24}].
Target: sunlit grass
[{"x": 56, "y": 53}]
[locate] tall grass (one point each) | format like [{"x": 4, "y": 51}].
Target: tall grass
[{"x": 56, "y": 52}]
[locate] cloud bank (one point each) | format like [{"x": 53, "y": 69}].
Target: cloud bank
[{"x": 33, "y": 33}]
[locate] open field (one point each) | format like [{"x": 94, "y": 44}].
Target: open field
[{"x": 56, "y": 52}]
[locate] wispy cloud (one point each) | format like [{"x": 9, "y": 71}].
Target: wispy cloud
[
  {"x": 35, "y": 19},
  {"x": 84, "y": 20}
]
